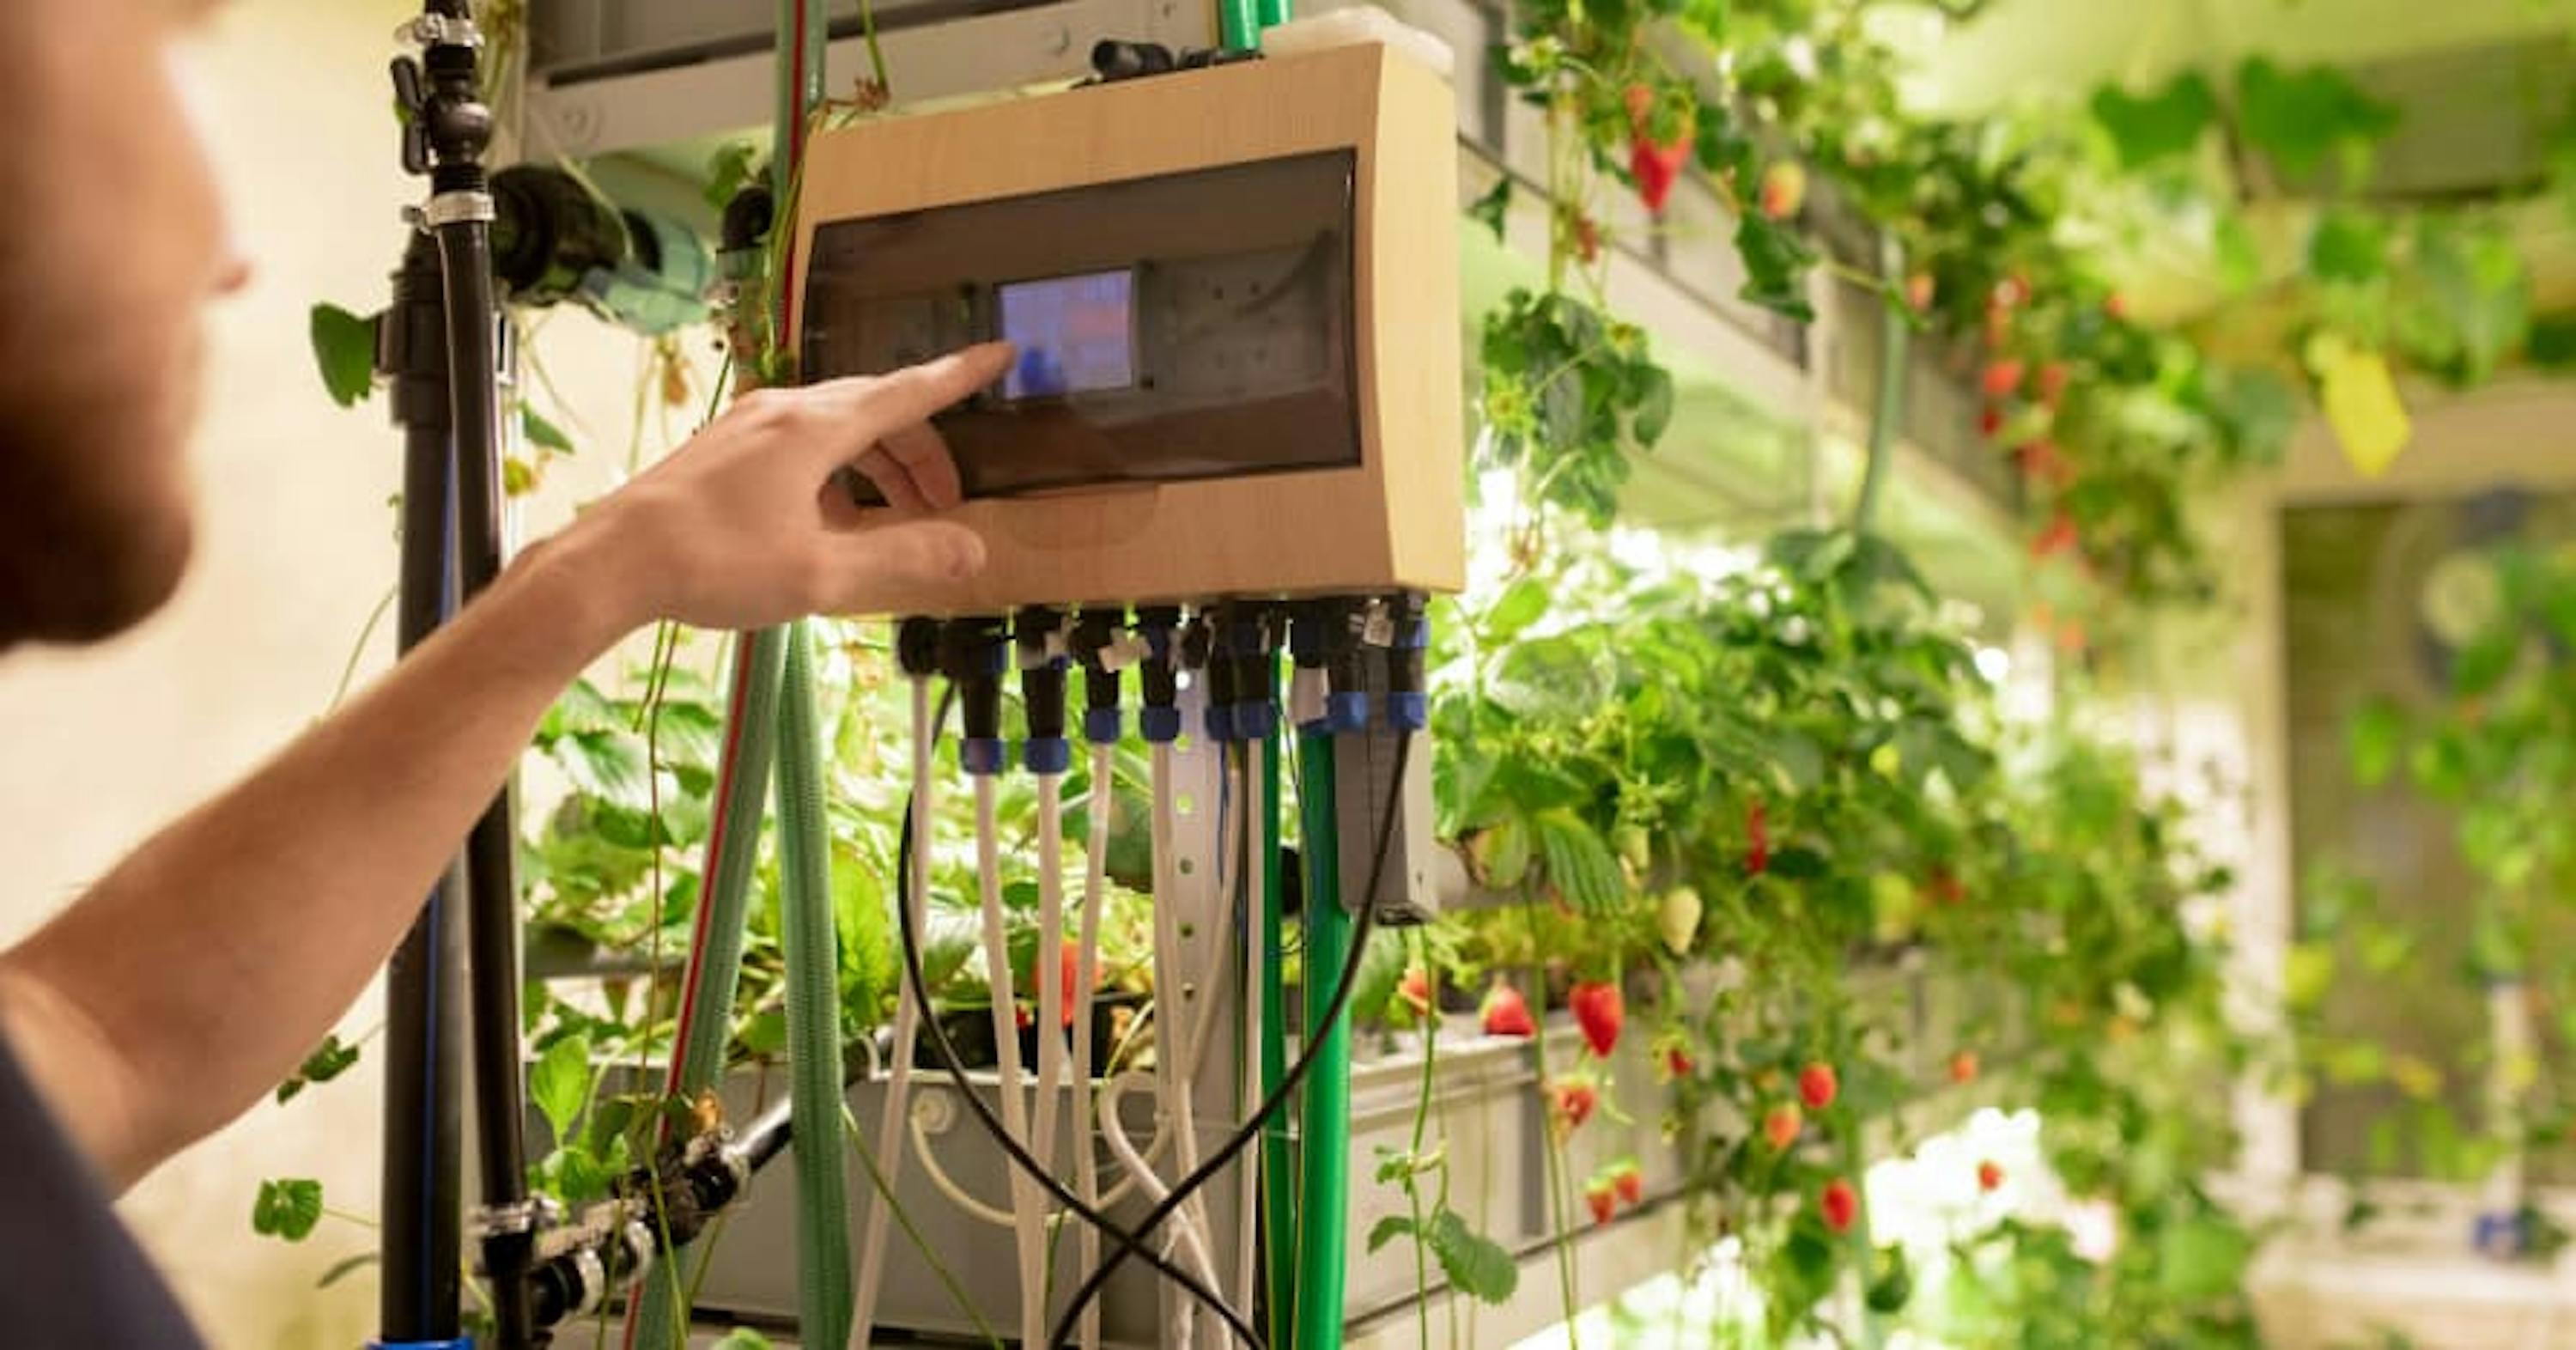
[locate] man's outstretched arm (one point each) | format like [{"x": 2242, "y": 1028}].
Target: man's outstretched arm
[{"x": 200, "y": 971}]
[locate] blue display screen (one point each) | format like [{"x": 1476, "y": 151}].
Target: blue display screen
[{"x": 1075, "y": 335}]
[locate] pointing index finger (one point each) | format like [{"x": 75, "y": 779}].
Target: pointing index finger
[{"x": 911, "y": 395}]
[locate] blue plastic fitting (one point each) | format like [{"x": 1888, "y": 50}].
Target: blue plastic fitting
[
  {"x": 1347, "y": 711},
  {"x": 460, "y": 1343},
  {"x": 1220, "y": 722},
  {"x": 1047, "y": 754},
  {"x": 1256, "y": 721},
  {"x": 1410, "y": 711},
  {"x": 1102, "y": 726},
  {"x": 980, "y": 755}
]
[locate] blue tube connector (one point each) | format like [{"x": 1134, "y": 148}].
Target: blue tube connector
[
  {"x": 1102, "y": 726},
  {"x": 1159, "y": 726},
  {"x": 981, "y": 755},
  {"x": 1047, "y": 754},
  {"x": 460, "y": 1343},
  {"x": 1346, "y": 712}
]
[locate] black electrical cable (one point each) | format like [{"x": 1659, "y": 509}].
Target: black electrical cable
[
  {"x": 1128, "y": 1241},
  {"x": 1250, "y": 1131}
]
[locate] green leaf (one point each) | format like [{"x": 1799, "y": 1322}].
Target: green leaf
[
  {"x": 1653, "y": 407},
  {"x": 2377, "y": 733},
  {"x": 1503, "y": 851},
  {"x": 541, "y": 432},
  {"x": 2471, "y": 299},
  {"x": 1388, "y": 1229},
  {"x": 329, "y": 1060},
  {"x": 734, "y": 166},
  {"x": 608, "y": 765},
  {"x": 287, "y": 1208},
  {"x": 2297, "y": 118},
  {"x": 2202, "y": 1257},
  {"x": 343, "y": 1268},
  {"x": 1579, "y": 864},
  {"x": 743, "y": 1338},
  {"x": 1521, "y": 604},
  {"x": 1797, "y": 863},
  {"x": 2240, "y": 254},
  {"x": 560, "y": 1083},
  {"x": 2349, "y": 246},
  {"x": 1893, "y": 1284},
  {"x": 2156, "y": 126},
  {"x": 1491, "y": 209},
  {"x": 1775, "y": 266},
  {"x": 1473, "y": 1262},
  {"x": 344, "y": 349}
]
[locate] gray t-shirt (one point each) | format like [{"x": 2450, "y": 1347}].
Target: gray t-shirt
[{"x": 71, "y": 1277}]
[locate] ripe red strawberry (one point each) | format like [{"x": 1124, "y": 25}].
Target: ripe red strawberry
[
  {"x": 1817, "y": 1085},
  {"x": 1068, "y": 979},
  {"x": 1600, "y": 1011},
  {"x": 2052, "y": 382},
  {"x": 1990, "y": 1176},
  {"x": 1587, "y": 239},
  {"x": 2042, "y": 461},
  {"x": 1656, "y": 167},
  {"x": 1919, "y": 291},
  {"x": 1781, "y": 1126},
  {"x": 1630, "y": 1183},
  {"x": 1963, "y": 1067},
  {"x": 2115, "y": 306},
  {"x": 1990, "y": 421},
  {"x": 1603, "y": 1202},
  {"x": 1784, "y": 189},
  {"x": 2002, "y": 377},
  {"x": 1506, "y": 1013},
  {"x": 1678, "y": 1063},
  {"x": 1841, "y": 1205},
  {"x": 1571, "y": 1104},
  {"x": 1757, "y": 833},
  {"x": 2058, "y": 538},
  {"x": 1414, "y": 990},
  {"x": 1946, "y": 889}
]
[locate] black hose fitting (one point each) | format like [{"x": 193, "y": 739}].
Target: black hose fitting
[{"x": 1040, "y": 636}]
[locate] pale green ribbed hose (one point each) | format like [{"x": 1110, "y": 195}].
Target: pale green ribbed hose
[
  {"x": 716, "y": 965},
  {"x": 813, "y": 956}
]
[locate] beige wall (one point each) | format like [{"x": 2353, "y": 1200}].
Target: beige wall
[{"x": 295, "y": 549}]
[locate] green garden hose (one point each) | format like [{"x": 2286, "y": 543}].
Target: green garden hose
[
  {"x": 715, "y": 955},
  {"x": 1323, "y": 1210},
  {"x": 813, "y": 955}
]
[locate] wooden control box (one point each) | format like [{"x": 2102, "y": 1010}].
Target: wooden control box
[{"x": 1235, "y": 293}]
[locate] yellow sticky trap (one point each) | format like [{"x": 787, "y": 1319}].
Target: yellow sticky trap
[{"x": 2361, "y": 404}]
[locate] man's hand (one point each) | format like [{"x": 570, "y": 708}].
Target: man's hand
[
  {"x": 744, "y": 527},
  {"x": 147, "y": 1016}
]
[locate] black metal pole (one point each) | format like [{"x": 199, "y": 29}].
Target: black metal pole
[
  {"x": 421, "y": 1241},
  {"x": 447, "y": 136}
]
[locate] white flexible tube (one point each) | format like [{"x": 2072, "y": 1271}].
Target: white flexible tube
[
  {"x": 947, "y": 1185},
  {"x": 1030, "y": 1227},
  {"x": 907, "y": 1027},
  {"x": 1113, "y": 1131},
  {"x": 1048, "y": 964},
  {"x": 1086, "y": 975}
]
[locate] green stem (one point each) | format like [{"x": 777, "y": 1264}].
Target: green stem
[
  {"x": 1556, "y": 1205},
  {"x": 1413, "y": 1179},
  {"x": 1895, "y": 336}
]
